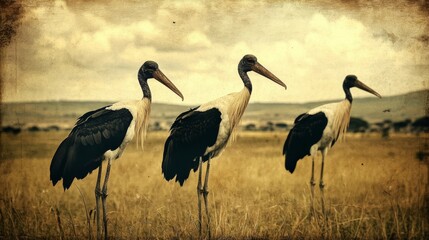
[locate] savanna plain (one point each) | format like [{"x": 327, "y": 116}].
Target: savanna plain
[{"x": 375, "y": 189}]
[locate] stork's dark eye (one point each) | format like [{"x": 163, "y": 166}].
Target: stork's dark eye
[
  {"x": 251, "y": 61},
  {"x": 150, "y": 69}
]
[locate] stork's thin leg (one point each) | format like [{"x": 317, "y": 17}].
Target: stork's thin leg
[
  {"x": 322, "y": 184},
  {"x": 103, "y": 198},
  {"x": 205, "y": 194},
  {"x": 199, "y": 191},
  {"x": 312, "y": 184},
  {"x": 97, "y": 201}
]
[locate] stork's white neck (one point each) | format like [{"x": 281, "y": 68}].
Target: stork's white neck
[
  {"x": 238, "y": 106},
  {"x": 342, "y": 118},
  {"x": 142, "y": 120}
]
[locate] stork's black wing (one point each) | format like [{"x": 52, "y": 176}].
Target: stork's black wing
[
  {"x": 307, "y": 131},
  {"x": 82, "y": 151},
  {"x": 91, "y": 114},
  {"x": 190, "y": 135}
]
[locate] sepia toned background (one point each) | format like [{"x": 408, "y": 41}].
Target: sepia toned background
[
  {"x": 74, "y": 50},
  {"x": 60, "y": 59}
]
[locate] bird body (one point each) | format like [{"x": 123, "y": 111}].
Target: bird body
[
  {"x": 319, "y": 129},
  {"x": 338, "y": 118},
  {"x": 103, "y": 134},
  {"x": 205, "y": 130},
  {"x": 140, "y": 110},
  {"x": 231, "y": 107},
  {"x": 98, "y": 135},
  {"x": 202, "y": 133}
]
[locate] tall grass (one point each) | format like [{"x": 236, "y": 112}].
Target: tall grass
[{"x": 374, "y": 190}]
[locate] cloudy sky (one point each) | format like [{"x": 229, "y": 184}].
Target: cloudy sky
[{"x": 74, "y": 50}]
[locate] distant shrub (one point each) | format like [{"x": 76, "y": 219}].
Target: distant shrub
[
  {"x": 34, "y": 129},
  {"x": 267, "y": 128},
  {"x": 250, "y": 127},
  {"x": 358, "y": 125},
  {"x": 398, "y": 126},
  {"x": 379, "y": 124},
  {"x": 52, "y": 128},
  {"x": 281, "y": 125},
  {"x": 156, "y": 126},
  {"x": 421, "y": 124},
  {"x": 11, "y": 129},
  {"x": 387, "y": 122}
]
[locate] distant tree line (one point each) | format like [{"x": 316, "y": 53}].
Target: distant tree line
[{"x": 357, "y": 125}]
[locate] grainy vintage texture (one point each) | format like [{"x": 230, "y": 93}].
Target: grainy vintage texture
[
  {"x": 79, "y": 50},
  {"x": 60, "y": 59},
  {"x": 375, "y": 193}
]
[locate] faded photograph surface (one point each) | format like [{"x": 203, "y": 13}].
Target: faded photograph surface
[{"x": 312, "y": 115}]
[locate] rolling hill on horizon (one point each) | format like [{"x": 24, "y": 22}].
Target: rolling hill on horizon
[{"x": 410, "y": 105}]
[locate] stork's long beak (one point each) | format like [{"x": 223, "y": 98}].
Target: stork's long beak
[
  {"x": 158, "y": 75},
  {"x": 364, "y": 87},
  {"x": 264, "y": 72}
]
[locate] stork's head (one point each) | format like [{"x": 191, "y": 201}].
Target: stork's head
[
  {"x": 250, "y": 63},
  {"x": 352, "y": 81},
  {"x": 150, "y": 69}
]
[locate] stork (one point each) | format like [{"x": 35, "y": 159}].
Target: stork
[
  {"x": 318, "y": 130},
  {"x": 103, "y": 134},
  {"x": 200, "y": 134}
]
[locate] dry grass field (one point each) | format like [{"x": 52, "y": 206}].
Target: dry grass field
[{"x": 374, "y": 190}]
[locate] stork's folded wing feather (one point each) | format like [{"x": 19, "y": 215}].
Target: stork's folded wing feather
[
  {"x": 307, "y": 131},
  {"x": 90, "y": 114},
  {"x": 82, "y": 151},
  {"x": 190, "y": 135}
]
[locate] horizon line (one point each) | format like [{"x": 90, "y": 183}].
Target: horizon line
[{"x": 258, "y": 102}]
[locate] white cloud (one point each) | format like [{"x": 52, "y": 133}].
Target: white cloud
[
  {"x": 197, "y": 40},
  {"x": 97, "y": 57}
]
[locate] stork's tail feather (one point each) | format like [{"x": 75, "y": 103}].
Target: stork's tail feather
[
  {"x": 291, "y": 155},
  {"x": 290, "y": 164},
  {"x": 67, "y": 182},
  {"x": 58, "y": 161},
  {"x": 168, "y": 168},
  {"x": 183, "y": 174},
  {"x": 175, "y": 162},
  {"x": 63, "y": 164}
]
